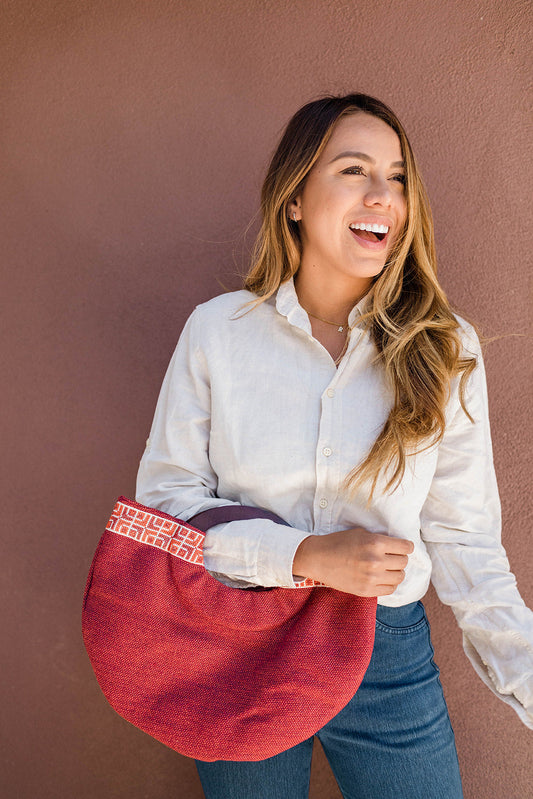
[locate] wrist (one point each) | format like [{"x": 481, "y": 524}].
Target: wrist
[{"x": 303, "y": 564}]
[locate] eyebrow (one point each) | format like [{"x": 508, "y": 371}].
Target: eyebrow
[{"x": 364, "y": 157}]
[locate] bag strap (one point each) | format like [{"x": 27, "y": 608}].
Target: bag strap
[{"x": 231, "y": 513}]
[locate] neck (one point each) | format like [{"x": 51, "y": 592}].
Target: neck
[{"x": 331, "y": 300}]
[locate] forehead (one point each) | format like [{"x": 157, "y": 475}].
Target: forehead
[{"x": 364, "y": 133}]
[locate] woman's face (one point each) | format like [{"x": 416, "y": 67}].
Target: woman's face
[{"x": 353, "y": 204}]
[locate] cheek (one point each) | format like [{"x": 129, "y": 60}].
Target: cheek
[
  {"x": 402, "y": 209},
  {"x": 318, "y": 215}
]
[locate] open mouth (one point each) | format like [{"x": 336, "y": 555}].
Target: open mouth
[{"x": 370, "y": 235}]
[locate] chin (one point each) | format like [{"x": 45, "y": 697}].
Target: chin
[{"x": 368, "y": 270}]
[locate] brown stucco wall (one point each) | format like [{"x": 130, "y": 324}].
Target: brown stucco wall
[{"x": 133, "y": 140}]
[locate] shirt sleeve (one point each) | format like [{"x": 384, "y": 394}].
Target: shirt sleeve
[
  {"x": 175, "y": 476},
  {"x": 461, "y": 527}
]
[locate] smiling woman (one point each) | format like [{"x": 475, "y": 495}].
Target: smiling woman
[{"x": 340, "y": 392}]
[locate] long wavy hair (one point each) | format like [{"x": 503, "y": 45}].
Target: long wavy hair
[{"x": 409, "y": 318}]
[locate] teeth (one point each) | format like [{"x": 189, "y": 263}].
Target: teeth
[{"x": 371, "y": 228}]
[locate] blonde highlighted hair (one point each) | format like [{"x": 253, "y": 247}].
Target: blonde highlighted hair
[{"x": 409, "y": 320}]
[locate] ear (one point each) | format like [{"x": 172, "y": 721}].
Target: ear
[{"x": 294, "y": 209}]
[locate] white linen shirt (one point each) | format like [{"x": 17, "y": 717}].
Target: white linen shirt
[{"x": 253, "y": 411}]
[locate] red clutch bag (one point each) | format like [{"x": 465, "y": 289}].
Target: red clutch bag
[{"x": 214, "y": 672}]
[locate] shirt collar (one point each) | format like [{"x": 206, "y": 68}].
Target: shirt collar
[{"x": 287, "y": 305}]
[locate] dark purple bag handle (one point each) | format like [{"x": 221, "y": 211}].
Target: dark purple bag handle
[{"x": 231, "y": 513}]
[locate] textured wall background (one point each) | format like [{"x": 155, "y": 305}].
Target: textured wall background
[{"x": 134, "y": 137}]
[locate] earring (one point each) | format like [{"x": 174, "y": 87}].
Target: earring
[{"x": 294, "y": 215}]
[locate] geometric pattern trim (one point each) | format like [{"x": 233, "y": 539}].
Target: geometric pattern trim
[
  {"x": 158, "y": 529},
  {"x": 149, "y": 527}
]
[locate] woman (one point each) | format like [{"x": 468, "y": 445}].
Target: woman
[{"x": 339, "y": 391}]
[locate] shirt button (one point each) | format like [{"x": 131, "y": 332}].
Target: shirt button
[
  {"x": 323, "y": 503},
  {"x": 327, "y": 451},
  {"x": 330, "y": 392}
]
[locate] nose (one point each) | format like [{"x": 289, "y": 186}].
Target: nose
[{"x": 378, "y": 193}]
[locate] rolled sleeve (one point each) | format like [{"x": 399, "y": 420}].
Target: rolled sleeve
[{"x": 461, "y": 527}]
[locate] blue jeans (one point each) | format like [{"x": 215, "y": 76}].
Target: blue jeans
[{"x": 393, "y": 740}]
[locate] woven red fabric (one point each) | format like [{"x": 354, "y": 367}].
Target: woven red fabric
[{"x": 214, "y": 672}]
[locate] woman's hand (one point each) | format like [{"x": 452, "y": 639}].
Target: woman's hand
[{"x": 354, "y": 561}]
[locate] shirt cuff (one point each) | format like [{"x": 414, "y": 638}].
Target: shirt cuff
[
  {"x": 519, "y": 697},
  {"x": 276, "y": 554},
  {"x": 253, "y": 551}
]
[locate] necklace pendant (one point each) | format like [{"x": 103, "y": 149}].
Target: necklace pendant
[{"x": 341, "y": 329}]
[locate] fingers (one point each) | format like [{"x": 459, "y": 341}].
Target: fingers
[
  {"x": 389, "y": 572},
  {"x": 385, "y": 590},
  {"x": 396, "y": 562},
  {"x": 395, "y": 578},
  {"x": 390, "y": 578},
  {"x": 395, "y": 566},
  {"x": 394, "y": 546},
  {"x": 389, "y": 583}
]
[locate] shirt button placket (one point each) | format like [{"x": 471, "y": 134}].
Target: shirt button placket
[{"x": 326, "y": 451}]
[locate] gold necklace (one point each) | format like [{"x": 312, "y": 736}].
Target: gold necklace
[
  {"x": 342, "y": 353},
  {"x": 340, "y": 328}
]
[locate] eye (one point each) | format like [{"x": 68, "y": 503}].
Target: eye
[
  {"x": 353, "y": 170},
  {"x": 400, "y": 178}
]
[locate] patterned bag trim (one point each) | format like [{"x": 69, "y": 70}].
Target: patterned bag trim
[
  {"x": 158, "y": 529},
  {"x": 162, "y": 531}
]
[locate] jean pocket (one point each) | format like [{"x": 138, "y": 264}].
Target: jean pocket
[{"x": 405, "y": 620}]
